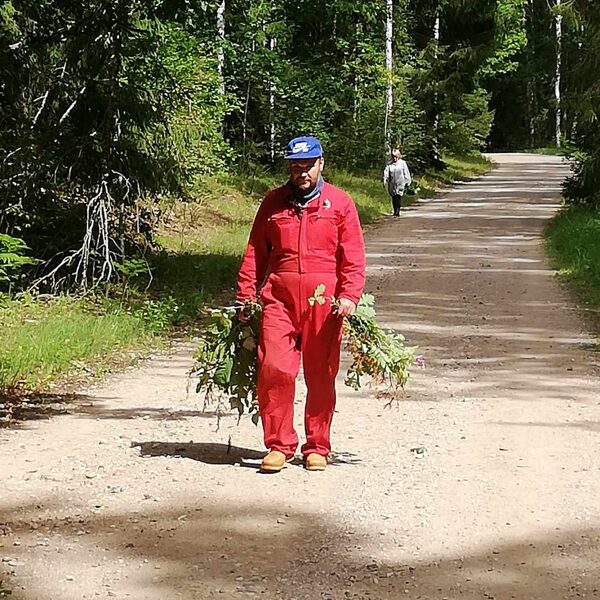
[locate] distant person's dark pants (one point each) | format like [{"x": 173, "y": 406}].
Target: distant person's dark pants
[{"x": 397, "y": 203}]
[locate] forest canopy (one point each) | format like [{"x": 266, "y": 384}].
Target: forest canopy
[{"x": 106, "y": 106}]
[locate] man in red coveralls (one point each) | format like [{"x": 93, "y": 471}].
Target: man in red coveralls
[{"x": 306, "y": 233}]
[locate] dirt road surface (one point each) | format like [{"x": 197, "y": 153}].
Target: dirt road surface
[{"x": 483, "y": 483}]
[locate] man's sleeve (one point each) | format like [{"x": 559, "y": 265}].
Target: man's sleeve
[
  {"x": 353, "y": 260},
  {"x": 256, "y": 258}
]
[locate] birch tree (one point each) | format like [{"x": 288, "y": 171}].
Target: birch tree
[
  {"x": 558, "y": 24},
  {"x": 221, "y": 44},
  {"x": 389, "y": 66}
]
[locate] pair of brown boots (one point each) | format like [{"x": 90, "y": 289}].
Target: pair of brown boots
[{"x": 275, "y": 461}]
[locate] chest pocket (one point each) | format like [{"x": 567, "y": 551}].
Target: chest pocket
[
  {"x": 283, "y": 231},
  {"x": 323, "y": 233}
]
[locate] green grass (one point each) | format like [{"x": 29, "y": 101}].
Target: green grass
[
  {"x": 44, "y": 340},
  {"x": 202, "y": 243},
  {"x": 573, "y": 242},
  {"x": 552, "y": 150}
]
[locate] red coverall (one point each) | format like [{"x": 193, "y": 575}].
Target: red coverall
[{"x": 300, "y": 249}]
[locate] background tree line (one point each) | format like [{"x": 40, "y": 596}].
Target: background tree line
[{"x": 105, "y": 106}]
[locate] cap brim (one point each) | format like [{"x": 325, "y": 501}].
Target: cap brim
[{"x": 303, "y": 155}]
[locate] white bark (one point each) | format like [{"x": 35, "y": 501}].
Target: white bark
[
  {"x": 246, "y": 107},
  {"x": 355, "y": 101},
  {"x": 531, "y": 109},
  {"x": 436, "y": 37},
  {"x": 557, "y": 77},
  {"x": 389, "y": 66},
  {"x": 272, "y": 131},
  {"x": 221, "y": 47},
  {"x": 530, "y": 85},
  {"x": 575, "y": 123}
]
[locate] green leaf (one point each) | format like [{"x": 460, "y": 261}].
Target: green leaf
[{"x": 223, "y": 373}]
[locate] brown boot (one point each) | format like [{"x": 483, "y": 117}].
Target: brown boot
[
  {"x": 273, "y": 462},
  {"x": 315, "y": 462}
]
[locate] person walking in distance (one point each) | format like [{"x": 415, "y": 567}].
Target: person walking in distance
[
  {"x": 305, "y": 233},
  {"x": 396, "y": 177}
]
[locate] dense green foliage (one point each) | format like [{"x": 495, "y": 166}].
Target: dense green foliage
[
  {"x": 13, "y": 258},
  {"x": 584, "y": 104},
  {"x": 528, "y": 112},
  {"x": 107, "y": 106}
]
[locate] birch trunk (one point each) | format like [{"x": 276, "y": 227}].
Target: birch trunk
[
  {"x": 221, "y": 48},
  {"x": 272, "y": 131},
  {"x": 531, "y": 112},
  {"x": 436, "y": 37},
  {"x": 557, "y": 77},
  {"x": 246, "y": 107},
  {"x": 389, "y": 66}
]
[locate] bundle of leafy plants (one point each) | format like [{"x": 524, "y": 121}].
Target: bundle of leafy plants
[
  {"x": 227, "y": 354},
  {"x": 227, "y": 358},
  {"x": 377, "y": 353}
]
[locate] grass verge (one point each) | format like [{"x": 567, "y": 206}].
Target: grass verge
[
  {"x": 573, "y": 242},
  {"x": 45, "y": 341}
]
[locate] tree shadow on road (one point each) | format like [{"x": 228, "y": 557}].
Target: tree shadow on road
[
  {"x": 19, "y": 411},
  {"x": 224, "y": 549}
]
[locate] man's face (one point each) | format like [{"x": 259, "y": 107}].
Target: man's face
[
  {"x": 305, "y": 173},
  {"x": 395, "y": 158}
]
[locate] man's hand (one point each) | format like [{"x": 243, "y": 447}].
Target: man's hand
[
  {"x": 346, "y": 308},
  {"x": 245, "y": 312}
]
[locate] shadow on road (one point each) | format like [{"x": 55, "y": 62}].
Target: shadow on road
[
  {"x": 215, "y": 549},
  {"x": 466, "y": 279},
  {"x": 224, "y": 454},
  {"x": 19, "y": 411},
  {"x": 209, "y": 453}
]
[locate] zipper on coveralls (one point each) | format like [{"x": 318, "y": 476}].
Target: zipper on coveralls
[
  {"x": 300, "y": 215},
  {"x": 300, "y": 245}
]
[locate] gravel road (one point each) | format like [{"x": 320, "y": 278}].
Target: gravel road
[{"x": 482, "y": 483}]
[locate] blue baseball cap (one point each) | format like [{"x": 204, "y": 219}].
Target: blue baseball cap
[{"x": 303, "y": 147}]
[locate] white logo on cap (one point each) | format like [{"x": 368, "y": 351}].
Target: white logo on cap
[{"x": 300, "y": 147}]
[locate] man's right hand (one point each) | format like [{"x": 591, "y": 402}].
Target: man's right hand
[{"x": 245, "y": 311}]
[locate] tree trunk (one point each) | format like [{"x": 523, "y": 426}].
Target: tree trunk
[
  {"x": 531, "y": 104},
  {"x": 531, "y": 111},
  {"x": 389, "y": 66},
  {"x": 221, "y": 48},
  {"x": 557, "y": 77},
  {"x": 436, "y": 117},
  {"x": 272, "y": 130}
]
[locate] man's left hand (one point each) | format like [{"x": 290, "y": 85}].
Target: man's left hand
[{"x": 346, "y": 308}]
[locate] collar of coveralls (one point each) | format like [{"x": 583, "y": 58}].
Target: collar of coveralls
[{"x": 301, "y": 199}]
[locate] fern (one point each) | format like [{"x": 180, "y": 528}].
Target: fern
[{"x": 12, "y": 258}]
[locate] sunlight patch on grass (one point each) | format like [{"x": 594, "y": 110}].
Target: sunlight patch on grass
[
  {"x": 43, "y": 340},
  {"x": 573, "y": 242}
]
